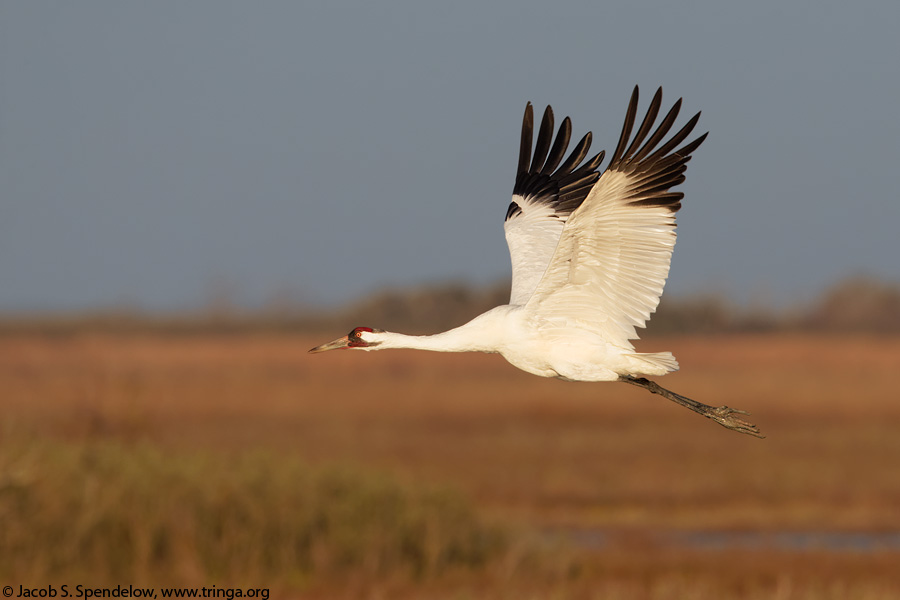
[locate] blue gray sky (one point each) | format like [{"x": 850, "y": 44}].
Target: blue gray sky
[{"x": 156, "y": 154}]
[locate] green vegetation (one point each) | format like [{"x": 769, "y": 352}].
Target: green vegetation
[{"x": 116, "y": 512}]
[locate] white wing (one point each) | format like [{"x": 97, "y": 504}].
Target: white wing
[
  {"x": 612, "y": 259},
  {"x": 543, "y": 198}
]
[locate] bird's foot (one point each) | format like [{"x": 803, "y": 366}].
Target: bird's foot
[{"x": 730, "y": 418}]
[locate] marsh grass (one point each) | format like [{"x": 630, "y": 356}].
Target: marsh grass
[
  {"x": 241, "y": 460},
  {"x": 115, "y": 512}
]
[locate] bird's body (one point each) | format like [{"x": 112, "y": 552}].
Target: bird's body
[
  {"x": 534, "y": 344},
  {"x": 590, "y": 254}
]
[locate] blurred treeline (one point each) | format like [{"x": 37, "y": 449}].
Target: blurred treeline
[{"x": 857, "y": 304}]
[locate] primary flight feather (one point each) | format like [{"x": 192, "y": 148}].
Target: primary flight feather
[{"x": 590, "y": 254}]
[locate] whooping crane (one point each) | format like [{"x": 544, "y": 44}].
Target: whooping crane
[{"x": 590, "y": 255}]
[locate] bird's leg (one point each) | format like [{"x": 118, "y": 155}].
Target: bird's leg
[{"x": 724, "y": 416}]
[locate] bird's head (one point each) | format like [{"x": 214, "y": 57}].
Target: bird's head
[{"x": 363, "y": 338}]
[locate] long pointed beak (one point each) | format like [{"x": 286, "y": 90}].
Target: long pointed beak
[{"x": 342, "y": 342}]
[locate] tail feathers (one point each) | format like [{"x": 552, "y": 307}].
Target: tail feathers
[{"x": 655, "y": 363}]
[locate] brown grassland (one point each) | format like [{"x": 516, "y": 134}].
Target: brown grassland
[{"x": 241, "y": 460}]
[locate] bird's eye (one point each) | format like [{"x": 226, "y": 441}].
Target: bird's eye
[{"x": 359, "y": 334}]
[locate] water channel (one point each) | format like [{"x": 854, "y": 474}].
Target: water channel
[{"x": 790, "y": 541}]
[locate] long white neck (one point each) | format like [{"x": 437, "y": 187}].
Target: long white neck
[
  {"x": 482, "y": 334},
  {"x": 441, "y": 342}
]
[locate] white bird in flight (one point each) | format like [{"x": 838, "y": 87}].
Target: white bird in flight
[{"x": 590, "y": 255}]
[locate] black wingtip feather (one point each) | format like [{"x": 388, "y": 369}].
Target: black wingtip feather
[
  {"x": 541, "y": 179},
  {"x": 578, "y": 153},
  {"x": 545, "y": 134},
  {"x": 688, "y": 148},
  {"x": 676, "y": 139},
  {"x": 655, "y": 170},
  {"x": 626, "y": 127},
  {"x": 525, "y": 142},
  {"x": 660, "y": 132},
  {"x": 559, "y": 146},
  {"x": 647, "y": 124}
]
